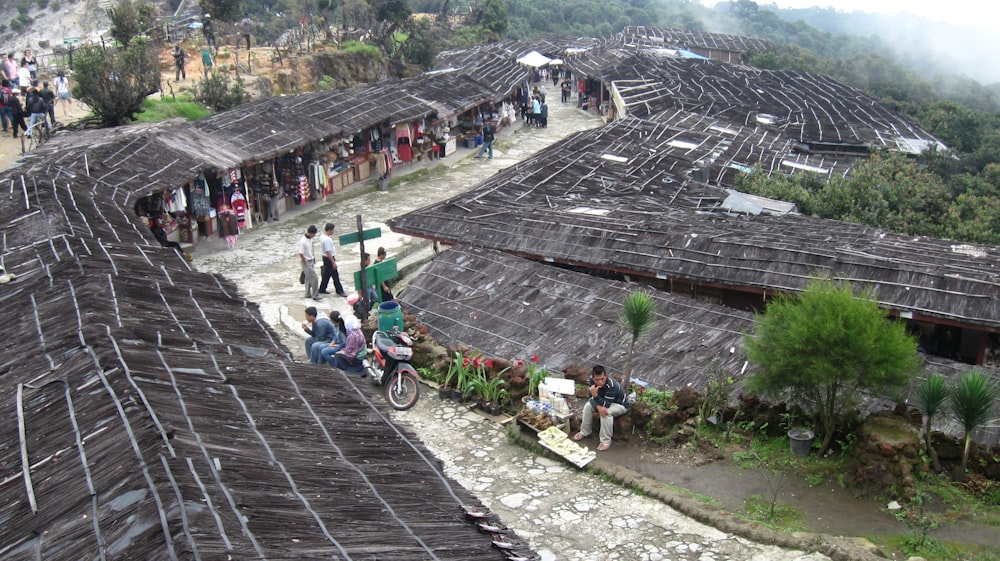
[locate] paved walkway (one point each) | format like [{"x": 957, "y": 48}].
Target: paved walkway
[{"x": 565, "y": 513}]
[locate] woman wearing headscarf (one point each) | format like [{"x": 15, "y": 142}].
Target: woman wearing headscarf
[{"x": 346, "y": 359}]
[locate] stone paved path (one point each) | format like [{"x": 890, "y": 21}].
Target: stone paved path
[{"x": 566, "y": 514}]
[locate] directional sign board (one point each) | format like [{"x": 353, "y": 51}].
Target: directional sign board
[
  {"x": 353, "y": 236},
  {"x": 378, "y": 272}
]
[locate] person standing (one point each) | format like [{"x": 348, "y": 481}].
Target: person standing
[
  {"x": 489, "y": 134},
  {"x": 567, "y": 88},
  {"x": 607, "y": 399},
  {"x": 29, "y": 60},
  {"x": 320, "y": 333},
  {"x": 384, "y": 288},
  {"x": 10, "y": 67},
  {"x": 543, "y": 115},
  {"x": 246, "y": 28},
  {"x": 50, "y": 102},
  {"x": 36, "y": 107},
  {"x": 308, "y": 260},
  {"x": 179, "y": 56},
  {"x": 23, "y": 77},
  {"x": 208, "y": 28},
  {"x": 329, "y": 249},
  {"x": 16, "y": 114},
  {"x": 5, "y": 114},
  {"x": 206, "y": 60},
  {"x": 62, "y": 90},
  {"x": 275, "y": 202}
]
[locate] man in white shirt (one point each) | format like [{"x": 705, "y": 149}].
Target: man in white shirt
[
  {"x": 308, "y": 271},
  {"x": 329, "y": 250}
]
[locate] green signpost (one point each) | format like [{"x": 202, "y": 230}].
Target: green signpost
[{"x": 373, "y": 275}]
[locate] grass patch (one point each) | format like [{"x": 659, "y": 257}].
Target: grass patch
[
  {"x": 370, "y": 51},
  {"x": 777, "y": 516},
  {"x": 935, "y": 550},
  {"x": 156, "y": 110}
]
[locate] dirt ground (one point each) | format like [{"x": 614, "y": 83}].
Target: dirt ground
[{"x": 825, "y": 508}]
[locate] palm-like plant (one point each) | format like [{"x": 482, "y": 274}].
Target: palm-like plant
[
  {"x": 971, "y": 403},
  {"x": 931, "y": 396},
  {"x": 638, "y": 317}
]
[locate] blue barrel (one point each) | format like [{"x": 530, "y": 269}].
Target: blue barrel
[{"x": 390, "y": 317}]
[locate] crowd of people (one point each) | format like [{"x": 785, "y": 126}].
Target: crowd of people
[
  {"x": 334, "y": 339},
  {"x": 24, "y": 94}
]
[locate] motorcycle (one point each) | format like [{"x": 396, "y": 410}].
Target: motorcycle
[{"x": 388, "y": 365}]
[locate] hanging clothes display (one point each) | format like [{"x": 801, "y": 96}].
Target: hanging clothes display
[
  {"x": 403, "y": 141},
  {"x": 238, "y": 203},
  {"x": 178, "y": 202},
  {"x": 200, "y": 204},
  {"x": 303, "y": 189}
]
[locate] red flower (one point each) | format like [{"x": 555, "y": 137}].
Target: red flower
[
  {"x": 534, "y": 358},
  {"x": 519, "y": 362},
  {"x": 475, "y": 362},
  {"x": 466, "y": 361},
  {"x": 489, "y": 363}
]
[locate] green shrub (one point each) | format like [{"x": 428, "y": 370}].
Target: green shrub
[
  {"x": 216, "y": 93},
  {"x": 370, "y": 51}
]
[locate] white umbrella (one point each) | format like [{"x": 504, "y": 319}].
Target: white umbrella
[{"x": 555, "y": 62}]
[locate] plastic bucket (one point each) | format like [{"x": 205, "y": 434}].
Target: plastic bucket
[
  {"x": 800, "y": 441},
  {"x": 390, "y": 317}
]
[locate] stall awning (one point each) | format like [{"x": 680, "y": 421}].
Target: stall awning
[{"x": 534, "y": 58}]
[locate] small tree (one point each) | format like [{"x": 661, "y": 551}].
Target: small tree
[
  {"x": 638, "y": 317},
  {"x": 971, "y": 403},
  {"x": 216, "y": 93},
  {"x": 129, "y": 20},
  {"x": 932, "y": 394},
  {"x": 821, "y": 349},
  {"x": 114, "y": 82}
]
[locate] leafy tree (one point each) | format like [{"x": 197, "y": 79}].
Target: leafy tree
[
  {"x": 821, "y": 349},
  {"x": 932, "y": 394},
  {"x": 114, "y": 82},
  {"x": 971, "y": 403},
  {"x": 391, "y": 16},
  {"x": 491, "y": 17},
  {"x": 216, "y": 93},
  {"x": 130, "y": 19},
  {"x": 638, "y": 317},
  {"x": 223, "y": 10}
]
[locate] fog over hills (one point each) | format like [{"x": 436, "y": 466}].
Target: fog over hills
[{"x": 930, "y": 47}]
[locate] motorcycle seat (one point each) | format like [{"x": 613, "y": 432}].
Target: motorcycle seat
[{"x": 382, "y": 342}]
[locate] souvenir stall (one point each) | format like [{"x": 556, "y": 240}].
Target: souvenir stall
[
  {"x": 290, "y": 170},
  {"x": 168, "y": 209},
  {"x": 201, "y": 206}
]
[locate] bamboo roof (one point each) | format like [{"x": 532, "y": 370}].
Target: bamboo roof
[
  {"x": 810, "y": 109},
  {"x": 512, "y": 307},
  {"x": 690, "y": 39},
  {"x": 150, "y": 411},
  {"x": 620, "y": 200}
]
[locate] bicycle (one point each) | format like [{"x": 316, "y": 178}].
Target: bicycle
[{"x": 35, "y": 140}]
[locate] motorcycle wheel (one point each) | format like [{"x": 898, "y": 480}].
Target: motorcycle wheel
[{"x": 404, "y": 394}]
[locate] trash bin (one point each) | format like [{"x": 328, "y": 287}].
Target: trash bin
[
  {"x": 390, "y": 317},
  {"x": 799, "y": 440}
]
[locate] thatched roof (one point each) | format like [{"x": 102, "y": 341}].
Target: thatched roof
[
  {"x": 811, "y": 109},
  {"x": 690, "y": 39},
  {"x": 511, "y": 307},
  {"x": 617, "y": 202},
  {"x": 152, "y": 414}
]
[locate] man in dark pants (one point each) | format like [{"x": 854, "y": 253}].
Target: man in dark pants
[{"x": 329, "y": 262}]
